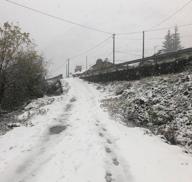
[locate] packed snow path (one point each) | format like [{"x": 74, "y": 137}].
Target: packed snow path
[{"x": 76, "y": 141}]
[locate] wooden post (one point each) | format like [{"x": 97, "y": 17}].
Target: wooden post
[
  {"x": 113, "y": 48},
  {"x": 86, "y": 62},
  {"x": 68, "y": 67},
  {"x": 143, "y": 50}
]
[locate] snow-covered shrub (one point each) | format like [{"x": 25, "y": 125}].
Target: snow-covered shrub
[
  {"x": 162, "y": 104},
  {"x": 22, "y": 70}
]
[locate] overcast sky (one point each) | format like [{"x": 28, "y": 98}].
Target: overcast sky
[{"x": 59, "y": 40}]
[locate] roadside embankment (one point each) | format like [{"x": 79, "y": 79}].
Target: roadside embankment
[{"x": 162, "y": 104}]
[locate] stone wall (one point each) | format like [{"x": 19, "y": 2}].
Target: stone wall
[{"x": 143, "y": 70}]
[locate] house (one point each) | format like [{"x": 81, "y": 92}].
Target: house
[
  {"x": 78, "y": 68},
  {"x": 100, "y": 64}
]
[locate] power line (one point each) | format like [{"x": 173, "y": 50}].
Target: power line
[
  {"x": 108, "y": 54},
  {"x": 166, "y": 28},
  {"x": 154, "y": 30},
  {"x": 129, "y": 33},
  {"x": 103, "y": 54},
  {"x": 98, "y": 30},
  {"x": 157, "y": 38},
  {"x": 88, "y": 50},
  {"x": 85, "y": 52},
  {"x": 122, "y": 52},
  {"x": 172, "y": 15},
  {"x": 161, "y": 38},
  {"x": 56, "y": 17}
]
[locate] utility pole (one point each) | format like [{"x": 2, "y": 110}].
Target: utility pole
[
  {"x": 113, "y": 48},
  {"x": 143, "y": 51},
  {"x": 68, "y": 61},
  {"x": 66, "y": 70},
  {"x": 86, "y": 62}
]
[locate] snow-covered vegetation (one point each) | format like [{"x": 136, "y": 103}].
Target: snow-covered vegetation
[
  {"x": 22, "y": 68},
  {"x": 162, "y": 104},
  {"x": 75, "y": 140},
  {"x": 23, "y": 116}
]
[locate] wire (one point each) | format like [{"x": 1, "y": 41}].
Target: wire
[
  {"x": 129, "y": 33},
  {"x": 172, "y": 15},
  {"x": 154, "y": 30},
  {"x": 166, "y": 28},
  {"x": 56, "y": 17},
  {"x": 109, "y": 54},
  {"x": 122, "y": 52},
  {"x": 104, "y": 54},
  {"x": 88, "y": 50},
  {"x": 98, "y": 30},
  {"x": 84, "y": 52}
]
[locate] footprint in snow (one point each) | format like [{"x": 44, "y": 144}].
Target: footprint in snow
[
  {"x": 104, "y": 129},
  {"x": 101, "y": 135},
  {"x": 56, "y": 129},
  {"x": 73, "y": 99},
  {"x": 68, "y": 107},
  {"x": 107, "y": 149},
  {"x": 109, "y": 141},
  {"x": 115, "y": 161},
  {"x": 108, "y": 177},
  {"x": 10, "y": 148}
]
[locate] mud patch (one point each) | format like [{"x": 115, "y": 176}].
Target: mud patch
[{"x": 54, "y": 130}]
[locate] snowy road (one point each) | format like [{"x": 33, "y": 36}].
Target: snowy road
[{"x": 76, "y": 141}]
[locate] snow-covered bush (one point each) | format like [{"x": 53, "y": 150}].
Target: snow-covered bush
[
  {"x": 162, "y": 104},
  {"x": 22, "y": 69}
]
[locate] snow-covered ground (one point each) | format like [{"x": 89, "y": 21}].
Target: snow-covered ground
[
  {"x": 161, "y": 104},
  {"x": 76, "y": 141}
]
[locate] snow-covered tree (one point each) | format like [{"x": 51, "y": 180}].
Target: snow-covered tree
[
  {"x": 176, "y": 40},
  {"x": 22, "y": 68},
  {"x": 168, "y": 43},
  {"x": 172, "y": 41}
]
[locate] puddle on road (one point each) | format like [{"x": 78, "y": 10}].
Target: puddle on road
[{"x": 54, "y": 130}]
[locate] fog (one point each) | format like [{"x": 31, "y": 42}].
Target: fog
[{"x": 59, "y": 40}]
